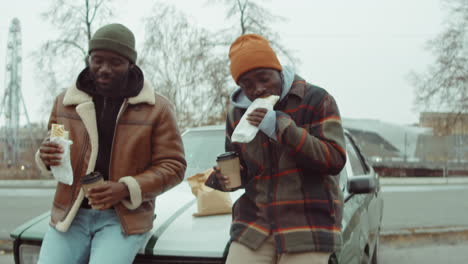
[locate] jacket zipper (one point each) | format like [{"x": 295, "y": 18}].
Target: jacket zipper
[
  {"x": 330, "y": 200},
  {"x": 122, "y": 109},
  {"x": 271, "y": 184},
  {"x": 104, "y": 106}
]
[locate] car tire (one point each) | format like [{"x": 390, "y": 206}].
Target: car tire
[{"x": 375, "y": 256}]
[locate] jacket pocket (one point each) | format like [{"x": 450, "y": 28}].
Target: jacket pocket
[
  {"x": 317, "y": 197},
  {"x": 139, "y": 219}
]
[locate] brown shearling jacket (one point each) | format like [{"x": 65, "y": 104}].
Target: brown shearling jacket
[{"x": 147, "y": 155}]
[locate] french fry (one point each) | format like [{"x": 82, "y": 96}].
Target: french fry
[{"x": 57, "y": 130}]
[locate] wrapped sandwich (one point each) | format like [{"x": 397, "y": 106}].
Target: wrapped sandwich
[{"x": 63, "y": 172}]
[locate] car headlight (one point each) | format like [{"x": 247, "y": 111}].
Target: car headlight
[{"x": 28, "y": 254}]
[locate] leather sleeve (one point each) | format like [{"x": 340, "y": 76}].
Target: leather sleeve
[{"x": 168, "y": 160}]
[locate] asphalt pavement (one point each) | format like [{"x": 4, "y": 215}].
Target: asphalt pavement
[{"x": 415, "y": 209}]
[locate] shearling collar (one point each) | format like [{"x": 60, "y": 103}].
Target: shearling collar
[{"x": 73, "y": 96}]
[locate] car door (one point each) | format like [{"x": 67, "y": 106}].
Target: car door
[
  {"x": 362, "y": 211},
  {"x": 373, "y": 200},
  {"x": 356, "y": 223},
  {"x": 350, "y": 252}
]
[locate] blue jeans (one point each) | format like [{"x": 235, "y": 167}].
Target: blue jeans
[{"x": 94, "y": 237}]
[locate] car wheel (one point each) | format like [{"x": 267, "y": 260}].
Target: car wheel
[{"x": 375, "y": 256}]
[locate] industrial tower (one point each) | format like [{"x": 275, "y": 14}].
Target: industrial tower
[{"x": 12, "y": 107}]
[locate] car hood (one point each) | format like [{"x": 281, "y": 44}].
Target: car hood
[{"x": 175, "y": 232}]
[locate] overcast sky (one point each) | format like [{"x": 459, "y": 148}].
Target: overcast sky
[{"x": 361, "y": 51}]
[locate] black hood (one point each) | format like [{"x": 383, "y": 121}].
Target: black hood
[{"x": 85, "y": 83}]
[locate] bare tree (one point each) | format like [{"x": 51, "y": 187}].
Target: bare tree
[
  {"x": 443, "y": 87},
  {"x": 190, "y": 65},
  {"x": 249, "y": 16},
  {"x": 179, "y": 61},
  {"x": 58, "y": 60}
]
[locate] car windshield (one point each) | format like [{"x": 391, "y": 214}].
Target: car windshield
[{"x": 201, "y": 149}]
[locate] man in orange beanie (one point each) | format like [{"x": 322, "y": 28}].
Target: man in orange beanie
[{"x": 292, "y": 206}]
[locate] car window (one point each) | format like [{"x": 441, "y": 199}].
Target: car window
[
  {"x": 201, "y": 149},
  {"x": 354, "y": 158}
]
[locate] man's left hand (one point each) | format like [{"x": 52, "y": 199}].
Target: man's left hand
[
  {"x": 256, "y": 116},
  {"x": 108, "y": 194}
]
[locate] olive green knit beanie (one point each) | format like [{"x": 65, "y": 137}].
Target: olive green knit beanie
[{"x": 116, "y": 38}]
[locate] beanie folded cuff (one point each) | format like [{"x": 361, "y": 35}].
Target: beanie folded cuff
[
  {"x": 112, "y": 45},
  {"x": 253, "y": 59}
]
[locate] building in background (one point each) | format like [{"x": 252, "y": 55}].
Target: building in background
[
  {"x": 374, "y": 145},
  {"x": 445, "y": 124},
  {"x": 25, "y": 167},
  {"x": 410, "y": 150},
  {"x": 448, "y": 143}
]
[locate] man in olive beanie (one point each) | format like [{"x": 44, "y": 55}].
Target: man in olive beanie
[
  {"x": 122, "y": 130},
  {"x": 291, "y": 210}
]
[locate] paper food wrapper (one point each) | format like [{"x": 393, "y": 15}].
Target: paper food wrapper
[
  {"x": 64, "y": 172},
  {"x": 244, "y": 131},
  {"x": 209, "y": 200}
]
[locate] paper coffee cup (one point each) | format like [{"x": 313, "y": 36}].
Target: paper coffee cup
[
  {"x": 91, "y": 180},
  {"x": 229, "y": 165}
]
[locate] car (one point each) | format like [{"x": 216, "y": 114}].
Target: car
[{"x": 179, "y": 237}]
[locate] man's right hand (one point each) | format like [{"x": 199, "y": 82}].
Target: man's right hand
[
  {"x": 256, "y": 116},
  {"x": 50, "y": 153},
  {"x": 222, "y": 179}
]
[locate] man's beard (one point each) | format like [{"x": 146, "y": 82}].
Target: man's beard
[{"x": 116, "y": 87}]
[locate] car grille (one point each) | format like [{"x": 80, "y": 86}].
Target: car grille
[{"x": 144, "y": 259}]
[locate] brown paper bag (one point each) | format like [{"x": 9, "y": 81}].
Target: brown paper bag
[{"x": 209, "y": 200}]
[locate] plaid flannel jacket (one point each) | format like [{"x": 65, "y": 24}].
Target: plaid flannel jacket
[{"x": 291, "y": 188}]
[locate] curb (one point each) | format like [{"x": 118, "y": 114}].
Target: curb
[
  {"x": 28, "y": 183},
  {"x": 425, "y": 235},
  {"x": 423, "y": 180},
  {"x": 383, "y": 180}
]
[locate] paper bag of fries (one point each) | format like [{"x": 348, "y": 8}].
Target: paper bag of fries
[
  {"x": 209, "y": 201},
  {"x": 63, "y": 172}
]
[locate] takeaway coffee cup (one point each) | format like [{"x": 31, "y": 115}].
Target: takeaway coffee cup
[
  {"x": 90, "y": 180},
  {"x": 229, "y": 165}
]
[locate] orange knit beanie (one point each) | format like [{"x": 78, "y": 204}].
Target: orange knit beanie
[{"x": 250, "y": 52}]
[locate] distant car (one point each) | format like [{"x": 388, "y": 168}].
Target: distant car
[{"x": 179, "y": 237}]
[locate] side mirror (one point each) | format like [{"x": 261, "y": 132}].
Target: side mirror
[{"x": 362, "y": 184}]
